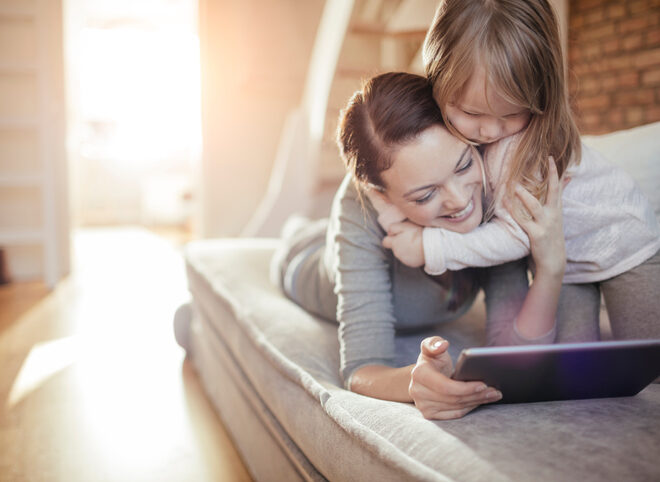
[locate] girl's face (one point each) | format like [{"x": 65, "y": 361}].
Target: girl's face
[
  {"x": 435, "y": 181},
  {"x": 485, "y": 118}
]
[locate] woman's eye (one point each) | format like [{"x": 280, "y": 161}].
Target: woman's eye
[
  {"x": 424, "y": 199},
  {"x": 466, "y": 166}
]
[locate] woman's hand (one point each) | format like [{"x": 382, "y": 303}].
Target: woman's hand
[
  {"x": 435, "y": 394},
  {"x": 543, "y": 224}
]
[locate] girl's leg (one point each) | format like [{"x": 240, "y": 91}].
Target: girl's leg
[
  {"x": 633, "y": 301},
  {"x": 578, "y": 313}
]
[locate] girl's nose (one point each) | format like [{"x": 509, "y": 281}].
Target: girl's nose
[{"x": 490, "y": 130}]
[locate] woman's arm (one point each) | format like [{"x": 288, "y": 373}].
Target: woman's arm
[
  {"x": 365, "y": 313},
  {"x": 427, "y": 383}
]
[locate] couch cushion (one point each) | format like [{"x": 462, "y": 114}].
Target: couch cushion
[{"x": 637, "y": 150}]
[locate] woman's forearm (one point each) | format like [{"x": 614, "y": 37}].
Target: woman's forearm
[{"x": 380, "y": 381}]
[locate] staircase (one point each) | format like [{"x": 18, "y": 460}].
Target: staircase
[{"x": 361, "y": 38}]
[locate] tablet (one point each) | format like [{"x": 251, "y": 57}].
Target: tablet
[{"x": 564, "y": 371}]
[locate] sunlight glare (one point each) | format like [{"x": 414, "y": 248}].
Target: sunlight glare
[
  {"x": 148, "y": 83},
  {"x": 43, "y": 362}
]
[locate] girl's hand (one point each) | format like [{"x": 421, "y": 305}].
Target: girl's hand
[
  {"x": 543, "y": 224},
  {"x": 405, "y": 241},
  {"x": 435, "y": 394}
]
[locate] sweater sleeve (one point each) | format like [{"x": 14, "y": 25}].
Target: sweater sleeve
[
  {"x": 498, "y": 241},
  {"x": 363, "y": 285},
  {"x": 388, "y": 213}
]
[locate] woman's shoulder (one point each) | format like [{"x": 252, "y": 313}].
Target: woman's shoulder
[
  {"x": 350, "y": 198},
  {"x": 352, "y": 210}
]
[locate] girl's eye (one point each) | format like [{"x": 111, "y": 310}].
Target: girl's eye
[
  {"x": 512, "y": 116},
  {"x": 466, "y": 166},
  {"x": 426, "y": 198},
  {"x": 471, "y": 114}
]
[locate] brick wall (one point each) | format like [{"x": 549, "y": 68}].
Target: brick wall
[{"x": 614, "y": 63}]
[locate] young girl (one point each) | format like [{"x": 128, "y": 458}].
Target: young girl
[
  {"x": 498, "y": 75},
  {"x": 393, "y": 140}
]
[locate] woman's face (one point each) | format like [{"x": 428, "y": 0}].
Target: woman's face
[
  {"x": 483, "y": 116},
  {"x": 435, "y": 181}
]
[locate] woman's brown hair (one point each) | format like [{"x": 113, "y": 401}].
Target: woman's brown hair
[
  {"x": 390, "y": 110},
  {"x": 517, "y": 43}
]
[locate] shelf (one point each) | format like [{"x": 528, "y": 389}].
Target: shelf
[{"x": 20, "y": 236}]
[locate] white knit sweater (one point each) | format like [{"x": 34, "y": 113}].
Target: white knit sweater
[{"x": 609, "y": 225}]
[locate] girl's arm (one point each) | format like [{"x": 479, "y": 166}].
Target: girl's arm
[
  {"x": 543, "y": 224},
  {"x": 437, "y": 249},
  {"x": 518, "y": 314},
  {"x": 498, "y": 241}
]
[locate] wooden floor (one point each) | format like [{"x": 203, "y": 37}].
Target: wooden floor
[{"x": 92, "y": 384}]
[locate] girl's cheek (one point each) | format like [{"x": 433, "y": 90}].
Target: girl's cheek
[
  {"x": 465, "y": 127},
  {"x": 522, "y": 124},
  {"x": 456, "y": 123}
]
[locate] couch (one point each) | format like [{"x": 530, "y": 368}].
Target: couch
[{"x": 271, "y": 371}]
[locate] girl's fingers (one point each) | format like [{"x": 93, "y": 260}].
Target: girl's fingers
[
  {"x": 554, "y": 189},
  {"x": 531, "y": 204},
  {"x": 523, "y": 220}
]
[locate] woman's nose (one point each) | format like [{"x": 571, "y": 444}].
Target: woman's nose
[{"x": 456, "y": 196}]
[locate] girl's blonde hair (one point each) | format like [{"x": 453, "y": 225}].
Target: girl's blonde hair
[{"x": 517, "y": 43}]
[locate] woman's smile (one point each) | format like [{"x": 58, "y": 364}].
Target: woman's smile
[{"x": 463, "y": 213}]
